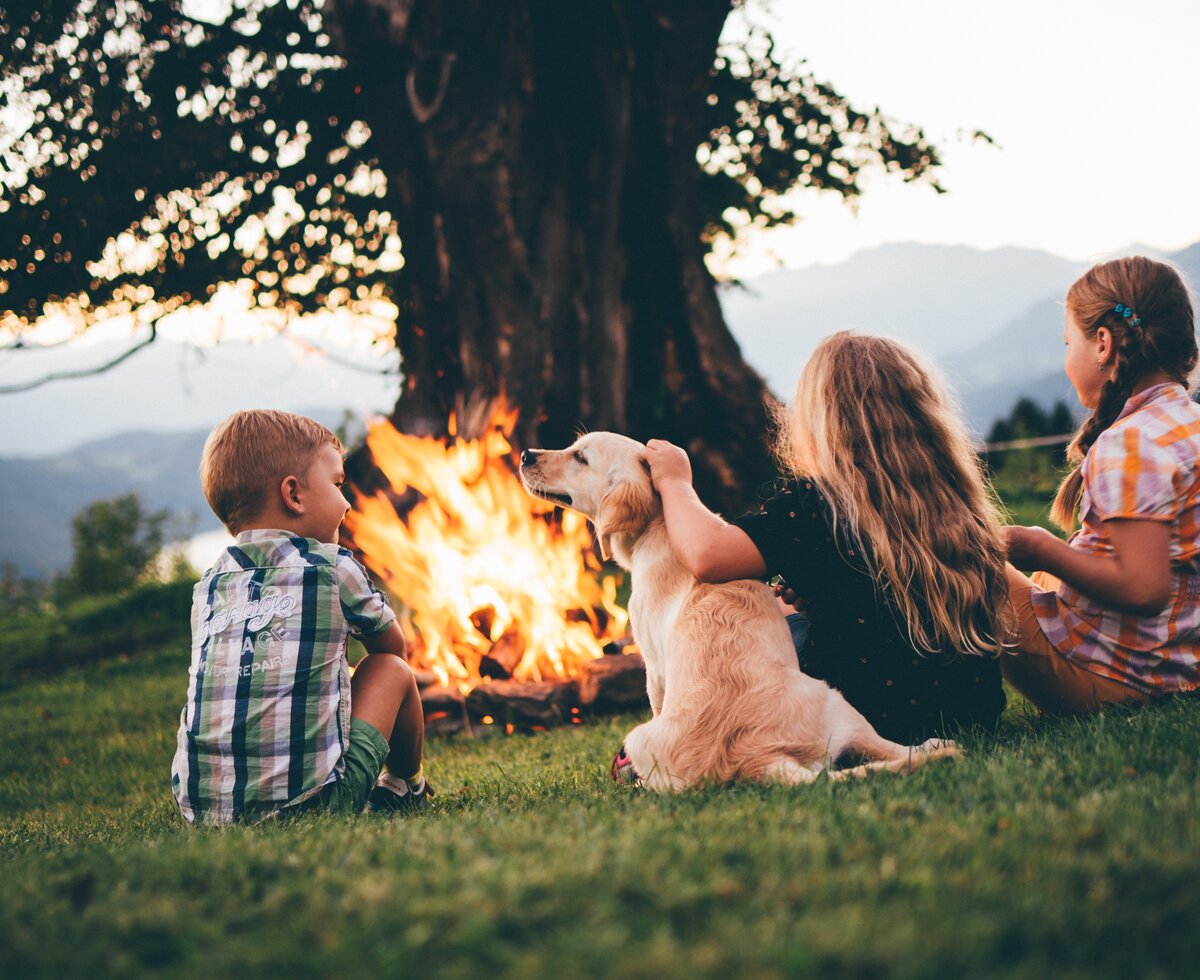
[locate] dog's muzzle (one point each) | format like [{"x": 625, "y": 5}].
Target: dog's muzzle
[{"x": 533, "y": 481}]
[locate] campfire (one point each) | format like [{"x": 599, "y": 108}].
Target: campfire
[{"x": 500, "y": 595}]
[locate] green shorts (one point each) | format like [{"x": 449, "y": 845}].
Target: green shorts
[{"x": 364, "y": 761}]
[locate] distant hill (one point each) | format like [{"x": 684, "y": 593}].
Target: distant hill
[
  {"x": 39, "y": 496},
  {"x": 1023, "y": 359},
  {"x": 991, "y": 319},
  {"x": 940, "y": 298}
]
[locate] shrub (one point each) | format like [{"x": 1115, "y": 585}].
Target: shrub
[{"x": 93, "y": 629}]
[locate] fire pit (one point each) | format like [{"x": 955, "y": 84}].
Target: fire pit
[{"x": 507, "y": 612}]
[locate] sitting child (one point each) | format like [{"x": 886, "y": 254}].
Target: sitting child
[
  {"x": 273, "y": 724},
  {"x": 1112, "y": 615},
  {"x": 887, "y": 533}
]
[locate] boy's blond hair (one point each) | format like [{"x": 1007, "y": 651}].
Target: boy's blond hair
[{"x": 248, "y": 455}]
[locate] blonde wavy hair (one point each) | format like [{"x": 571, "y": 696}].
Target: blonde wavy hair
[{"x": 875, "y": 429}]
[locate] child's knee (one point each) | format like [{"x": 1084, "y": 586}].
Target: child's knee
[
  {"x": 386, "y": 671},
  {"x": 402, "y": 675},
  {"x": 409, "y": 677}
]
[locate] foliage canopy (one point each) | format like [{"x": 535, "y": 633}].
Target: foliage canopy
[{"x": 152, "y": 151}]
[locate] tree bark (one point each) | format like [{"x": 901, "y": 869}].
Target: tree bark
[{"x": 542, "y": 164}]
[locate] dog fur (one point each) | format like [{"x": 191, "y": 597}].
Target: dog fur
[{"x": 728, "y": 697}]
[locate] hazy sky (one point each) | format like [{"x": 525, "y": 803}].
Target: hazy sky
[{"x": 1093, "y": 106}]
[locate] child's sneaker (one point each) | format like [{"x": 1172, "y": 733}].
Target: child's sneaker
[{"x": 393, "y": 795}]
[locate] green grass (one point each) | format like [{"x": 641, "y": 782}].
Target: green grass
[{"x": 1058, "y": 847}]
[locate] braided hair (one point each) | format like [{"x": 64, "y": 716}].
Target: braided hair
[{"x": 1148, "y": 310}]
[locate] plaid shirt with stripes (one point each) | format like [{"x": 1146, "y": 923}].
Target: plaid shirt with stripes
[
  {"x": 267, "y": 718},
  {"x": 1145, "y": 466}
]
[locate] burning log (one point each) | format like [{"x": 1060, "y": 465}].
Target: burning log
[
  {"x": 445, "y": 710},
  {"x": 613, "y": 683},
  {"x": 606, "y": 685},
  {"x": 522, "y": 704},
  {"x": 500, "y": 662}
]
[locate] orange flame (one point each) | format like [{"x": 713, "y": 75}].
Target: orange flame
[{"x": 483, "y": 574}]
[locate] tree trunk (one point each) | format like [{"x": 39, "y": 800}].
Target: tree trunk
[{"x": 545, "y": 185}]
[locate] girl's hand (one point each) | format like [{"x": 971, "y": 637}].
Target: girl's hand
[
  {"x": 667, "y": 462},
  {"x": 1027, "y": 546}
]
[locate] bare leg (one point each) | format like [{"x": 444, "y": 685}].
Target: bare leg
[{"x": 384, "y": 693}]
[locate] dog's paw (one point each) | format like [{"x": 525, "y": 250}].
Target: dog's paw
[
  {"x": 622, "y": 771},
  {"x": 939, "y": 747}
]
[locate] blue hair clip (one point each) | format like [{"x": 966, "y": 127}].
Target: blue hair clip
[{"x": 1127, "y": 313}]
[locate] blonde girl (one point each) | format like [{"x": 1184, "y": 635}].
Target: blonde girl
[
  {"x": 885, "y": 530},
  {"x": 1114, "y": 613}
]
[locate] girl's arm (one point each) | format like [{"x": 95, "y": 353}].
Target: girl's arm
[
  {"x": 710, "y": 549},
  {"x": 1134, "y": 578}
]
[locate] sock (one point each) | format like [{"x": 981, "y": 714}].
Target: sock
[{"x": 416, "y": 781}]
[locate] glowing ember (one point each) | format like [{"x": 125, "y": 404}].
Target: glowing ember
[{"x": 483, "y": 574}]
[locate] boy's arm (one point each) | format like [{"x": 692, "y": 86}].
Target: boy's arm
[
  {"x": 390, "y": 640},
  {"x": 1134, "y": 578},
  {"x": 709, "y": 548}
]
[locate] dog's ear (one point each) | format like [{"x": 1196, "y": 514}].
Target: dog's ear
[{"x": 625, "y": 509}]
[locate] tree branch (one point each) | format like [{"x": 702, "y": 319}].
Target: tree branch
[
  {"x": 84, "y": 372},
  {"x": 345, "y": 362}
]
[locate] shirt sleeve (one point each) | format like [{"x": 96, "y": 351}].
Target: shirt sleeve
[
  {"x": 1128, "y": 475},
  {"x": 781, "y": 528},
  {"x": 366, "y": 609}
]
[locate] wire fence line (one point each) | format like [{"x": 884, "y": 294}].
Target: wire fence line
[{"x": 1000, "y": 447}]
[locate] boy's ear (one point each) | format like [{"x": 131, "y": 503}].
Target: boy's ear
[{"x": 290, "y": 493}]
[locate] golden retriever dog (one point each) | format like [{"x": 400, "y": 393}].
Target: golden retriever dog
[{"x": 727, "y": 694}]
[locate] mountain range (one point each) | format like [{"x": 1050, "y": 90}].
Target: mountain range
[
  {"x": 40, "y": 495},
  {"x": 992, "y": 320}
]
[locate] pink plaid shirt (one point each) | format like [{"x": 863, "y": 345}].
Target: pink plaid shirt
[{"x": 1146, "y": 466}]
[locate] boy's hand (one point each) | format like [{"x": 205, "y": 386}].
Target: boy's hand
[
  {"x": 1026, "y": 546},
  {"x": 667, "y": 462}
]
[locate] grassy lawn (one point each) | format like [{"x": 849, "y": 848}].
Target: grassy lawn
[{"x": 1067, "y": 848}]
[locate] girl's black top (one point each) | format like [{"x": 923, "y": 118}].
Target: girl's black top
[{"x": 856, "y": 641}]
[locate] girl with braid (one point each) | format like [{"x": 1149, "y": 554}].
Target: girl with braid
[{"x": 1113, "y": 614}]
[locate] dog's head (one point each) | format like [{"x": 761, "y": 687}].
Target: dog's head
[{"x": 603, "y": 476}]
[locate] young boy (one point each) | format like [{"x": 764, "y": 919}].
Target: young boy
[{"x": 273, "y": 724}]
